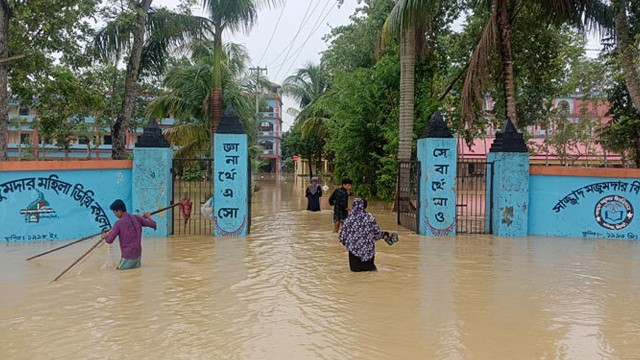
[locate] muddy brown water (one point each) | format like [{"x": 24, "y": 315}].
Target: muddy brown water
[{"x": 285, "y": 292}]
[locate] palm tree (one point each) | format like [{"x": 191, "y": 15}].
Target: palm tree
[
  {"x": 627, "y": 52},
  {"x": 496, "y": 36},
  {"x": 232, "y": 15},
  {"x": 309, "y": 86},
  {"x": 187, "y": 96},
  {"x": 154, "y": 33}
]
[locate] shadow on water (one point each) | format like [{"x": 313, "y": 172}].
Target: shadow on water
[{"x": 285, "y": 292}]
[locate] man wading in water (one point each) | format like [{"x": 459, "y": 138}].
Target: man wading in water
[
  {"x": 129, "y": 229},
  {"x": 340, "y": 202}
]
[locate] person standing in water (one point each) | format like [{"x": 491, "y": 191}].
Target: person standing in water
[
  {"x": 313, "y": 194},
  {"x": 129, "y": 230},
  {"x": 340, "y": 202},
  {"x": 359, "y": 234}
]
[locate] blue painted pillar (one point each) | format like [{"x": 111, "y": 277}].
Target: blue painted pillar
[
  {"x": 231, "y": 211},
  {"x": 510, "y": 185},
  {"x": 152, "y": 185},
  {"x": 437, "y": 154}
]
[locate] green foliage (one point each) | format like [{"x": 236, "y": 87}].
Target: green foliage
[
  {"x": 187, "y": 87},
  {"x": 623, "y": 133}
]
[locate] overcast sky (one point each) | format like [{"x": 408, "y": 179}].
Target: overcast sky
[
  {"x": 297, "y": 39},
  {"x": 287, "y": 37}
]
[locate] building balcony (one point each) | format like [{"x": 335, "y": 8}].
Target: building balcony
[
  {"x": 268, "y": 115},
  {"x": 263, "y": 134},
  {"x": 25, "y": 119}
]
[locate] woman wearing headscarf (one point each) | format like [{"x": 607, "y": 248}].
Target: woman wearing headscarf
[
  {"x": 313, "y": 193},
  {"x": 359, "y": 234}
]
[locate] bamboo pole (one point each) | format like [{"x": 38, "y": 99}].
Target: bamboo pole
[
  {"x": 78, "y": 260},
  {"x": 94, "y": 235},
  {"x": 100, "y": 241},
  {"x": 64, "y": 246}
]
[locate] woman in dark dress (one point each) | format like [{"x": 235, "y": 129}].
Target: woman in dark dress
[
  {"x": 313, "y": 193},
  {"x": 359, "y": 234}
]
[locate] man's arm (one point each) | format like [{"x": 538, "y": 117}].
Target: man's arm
[
  {"x": 111, "y": 235},
  {"x": 147, "y": 221}
]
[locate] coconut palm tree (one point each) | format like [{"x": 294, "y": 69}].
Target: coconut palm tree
[
  {"x": 187, "y": 96},
  {"x": 149, "y": 39},
  {"x": 309, "y": 86},
  {"x": 233, "y": 16},
  {"x": 627, "y": 52},
  {"x": 496, "y": 37}
]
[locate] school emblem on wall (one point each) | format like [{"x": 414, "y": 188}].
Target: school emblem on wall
[
  {"x": 35, "y": 211},
  {"x": 613, "y": 212}
]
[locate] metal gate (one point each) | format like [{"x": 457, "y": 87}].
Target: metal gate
[
  {"x": 192, "y": 179},
  {"x": 408, "y": 194},
  {"x": 474, "y": 197}
]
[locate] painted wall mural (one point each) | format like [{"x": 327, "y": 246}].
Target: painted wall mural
[
  {"x": 59, "y": 205},
  {"x": 584, "y": 207}
]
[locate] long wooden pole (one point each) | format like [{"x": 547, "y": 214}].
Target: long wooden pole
[
  {"x": 94, "y": 235},
  {"x": 100, "y": 241},
  {"x": 64, "y": 246},
  {"x": 80, "y": 258}
]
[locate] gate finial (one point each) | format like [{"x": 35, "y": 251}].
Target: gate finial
[
  {"x": 436, "y": 127},
  {"x": 152, "y": 136},
  {"x": 230, "y": 123},
  {"x": 509, "y": 139}
]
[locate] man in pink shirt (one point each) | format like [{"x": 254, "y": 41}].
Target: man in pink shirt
[{"x": 129, "y": 230}]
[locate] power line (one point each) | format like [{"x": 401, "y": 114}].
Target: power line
[
  {"x": 273, "y": 32},
  {"x": 300, "y": 27},
  {"x": 317, "y": 26},
  {"x": 295, "y": 37}
]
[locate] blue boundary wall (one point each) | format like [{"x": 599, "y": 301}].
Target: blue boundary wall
[
  {"x": 584, "y": 202},
  {"x": 60, "y": 200}
]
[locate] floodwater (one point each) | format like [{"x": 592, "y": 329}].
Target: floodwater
[{"x": 286, "y": 292}]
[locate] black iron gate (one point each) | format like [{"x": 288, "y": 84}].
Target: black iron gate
[
  {"x": 192, "y": 179},
  {"x": 408, "y": 194},
  {"x": 474, "y": 197}
]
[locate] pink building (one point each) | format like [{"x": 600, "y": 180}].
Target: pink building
[{"x": 566, "y": 111}]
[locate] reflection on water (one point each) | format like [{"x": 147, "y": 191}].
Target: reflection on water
[{"x": 286, "y": 292}]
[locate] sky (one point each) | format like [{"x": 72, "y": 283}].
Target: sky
[
  {"x": 286, "y": 38},
  {"x": 289, "y": 36}
]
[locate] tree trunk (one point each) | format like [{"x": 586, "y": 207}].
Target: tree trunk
[
  {"x": 407, "y": 97},
  {"x": 407, "y": 93},
  {"x": 119, "y": 149},
  {"x": 627, "y": 53},
  {"x": 215, "y": 103},
  {"x": 4, "y": 78},
  {"x": 504, "y": 25}
]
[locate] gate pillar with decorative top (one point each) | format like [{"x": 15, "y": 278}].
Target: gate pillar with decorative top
[
  {"x": 152, "y": 183},
  {"x": 510, "y": 187},
  {"x": 232, "y": 212},
  {"x": 437, "y": 196}
]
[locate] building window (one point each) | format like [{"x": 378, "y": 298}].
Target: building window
[
  {"x": 24, "y": 138},
  {"x": 83, "y": 140},
  {"x": 266, "y": 126},
  {"x": 107, "y": 140},
  {"x": 564, "y": 108},
  {"x": 23, "y": 111},
  {"x": 267, "y": 145}
]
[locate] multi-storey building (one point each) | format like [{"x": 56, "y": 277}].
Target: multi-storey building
[
  {"x": 270, "y": 129},
  {"x": 24, "y": 141}
]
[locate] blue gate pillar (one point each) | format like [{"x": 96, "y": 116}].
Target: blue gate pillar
[
  {"x": 152, "y": 186},
  {"x": 510, "y": 188},
  {"x": 437, "y": 196},
  {"x": 232, "y": 215}
]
